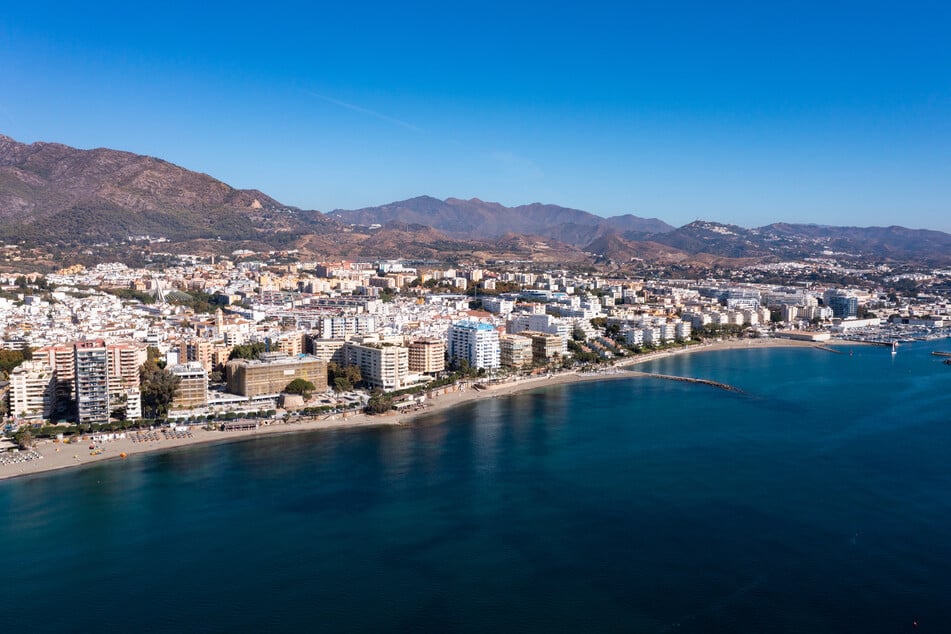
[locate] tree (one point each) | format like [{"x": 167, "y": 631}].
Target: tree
[
  {"x": 341, "y": 384},
  {"x": 10, "y": 359},
  {"x": 24, "y": 438},
  {"x": 247, "y": 351},
  {"x": 350, "y": 373},
  {"x": 379, "y": 403},
  {"x": 158, "y": 387},
  {"x": 300, "y": 386}
]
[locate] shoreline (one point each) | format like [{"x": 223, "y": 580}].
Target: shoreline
[{"x": 59, "y": 456}]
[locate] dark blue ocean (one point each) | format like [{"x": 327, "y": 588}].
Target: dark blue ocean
[{"x": 818, "y": 500}]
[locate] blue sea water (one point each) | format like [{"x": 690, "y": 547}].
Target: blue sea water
[{"x": 817, "y": 500}]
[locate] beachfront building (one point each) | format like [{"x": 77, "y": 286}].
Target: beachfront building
[
  {"x": 193, "y": 385},
  {"x": 844, "y": 304},
  {"x": 91, "y": 363},
  {"x": 61, "y": 358},
  {"x": 327, "y": 350},
  {"x": 546, "y": 347},
  {"x": 474, "y": 342},
  {"x": 381, "y": 365},
  {"x": 540, "y": 322},
  {"x": 515, "y": 351},
  {"x": 427, "y": 356},
  {"x": 32, "y": 390},
  {"x": 271, "y": 373}
]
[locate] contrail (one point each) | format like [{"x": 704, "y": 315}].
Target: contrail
[{"x": 367, "y": 111}]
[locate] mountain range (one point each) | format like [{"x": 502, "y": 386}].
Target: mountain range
[{"x": 65, "y": 200}]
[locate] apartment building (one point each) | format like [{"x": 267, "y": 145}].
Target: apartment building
[
  {"x": 427, "y": 356},
  {"x": 91, "y": 363},
  {"x": 381, "y": 365},
  {"x": 32, "y": 390},
  {"x": 270, "y": 374}
]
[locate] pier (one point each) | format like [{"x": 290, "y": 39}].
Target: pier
[{"x": 686, "y": 379}]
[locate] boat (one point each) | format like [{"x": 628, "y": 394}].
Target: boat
[
  {"x": 894, "y": 347},
  {"x": 941, "y": 354}
]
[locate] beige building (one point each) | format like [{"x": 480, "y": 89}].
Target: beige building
[
  {"x": 197, "y": 350},
  {"x": 272, "y": 372},
  {"x": 124, "y": 361},
  {"x": 328, "y": 350},
  {"x": 32, "y": 390},
  {"x": 290, "y": 344},
  {"x": 193, "y": 388},
  {"x": 515, "y": 351},
  {"x": 545, "y": 347},
  {"x": 427, "y": 356},
  {"x": 381, "y": 365},
  {"x": 62, "y": 360}
]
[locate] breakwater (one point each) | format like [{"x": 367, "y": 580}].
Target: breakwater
[{"x": 687, "y": 379}]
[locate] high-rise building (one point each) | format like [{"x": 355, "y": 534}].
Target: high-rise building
[
  {"x": 842, "y": 303},
  {"x": 125, "y": 359},
  {"x": 474, "y": 342},
  {"x": 546, "y": 347},
  {"x": 427, "y": 356},
  {"x": 515, "y": 351},
  {"x": 32, "y": 390},
  {"x": 193, "y": 385},
  {"x": 92, "y": 382},
  {"x": 61, "y": 358},
  {"x": 382, "y": 366}
]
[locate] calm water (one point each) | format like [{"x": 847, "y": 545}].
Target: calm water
[{"x": 818, "y": 500}]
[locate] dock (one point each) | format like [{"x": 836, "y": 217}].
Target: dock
[{"x": 686, "y": 379}]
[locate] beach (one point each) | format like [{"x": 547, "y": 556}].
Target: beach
[{"x": 57, "y": 455}]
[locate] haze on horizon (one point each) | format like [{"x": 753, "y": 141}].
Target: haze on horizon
[{"x": 766, "y": 112}]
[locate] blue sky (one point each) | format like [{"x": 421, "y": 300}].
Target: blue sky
[{"x": 747, "y": 112}]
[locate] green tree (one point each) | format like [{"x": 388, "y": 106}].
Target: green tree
[
  {"x": 247, "y": 351},
  {"x": 351, "y": 373},
  {"x": 341, "y": 384},
  {"x": 300, "y": 386},
  {"x": 379, "y": 403},
  {"x": 24, "y": 438},
  {"x": 158, "y": 387},
  {"x": 10, "y": 359}
]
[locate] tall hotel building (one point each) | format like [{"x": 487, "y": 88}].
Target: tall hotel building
[
  {"x": 91, "y": 363},
  {"x": 475, "y": 342}
]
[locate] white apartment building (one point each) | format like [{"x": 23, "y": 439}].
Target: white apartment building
[
  {"x": 475, "y": 342},
  {"x": 32, "y": 390},
  {"x": 383, "y": 366},
  {"x": 540, "y": 323}
]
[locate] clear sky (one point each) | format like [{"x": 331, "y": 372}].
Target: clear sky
[{"x": 743, "y": 112}]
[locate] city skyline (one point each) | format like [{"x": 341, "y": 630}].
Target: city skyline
[{"x": 795, "y": 113}]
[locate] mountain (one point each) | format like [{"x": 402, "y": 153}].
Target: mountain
[
  {"x": 101, "y": 195},
  {"x": 62, "y": 203},
  {"x": 894, "y": 242},
  {"x": 729, "y": 241},
  {"x": 478, "y": 219}
]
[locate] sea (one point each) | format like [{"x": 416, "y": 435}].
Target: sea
[{"x": 816, "y": 499}]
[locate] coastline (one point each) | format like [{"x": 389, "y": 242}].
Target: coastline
[{"x": 57, "y": 456}]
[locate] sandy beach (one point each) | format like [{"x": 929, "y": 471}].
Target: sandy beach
[{"x": 55, "y": 456}]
